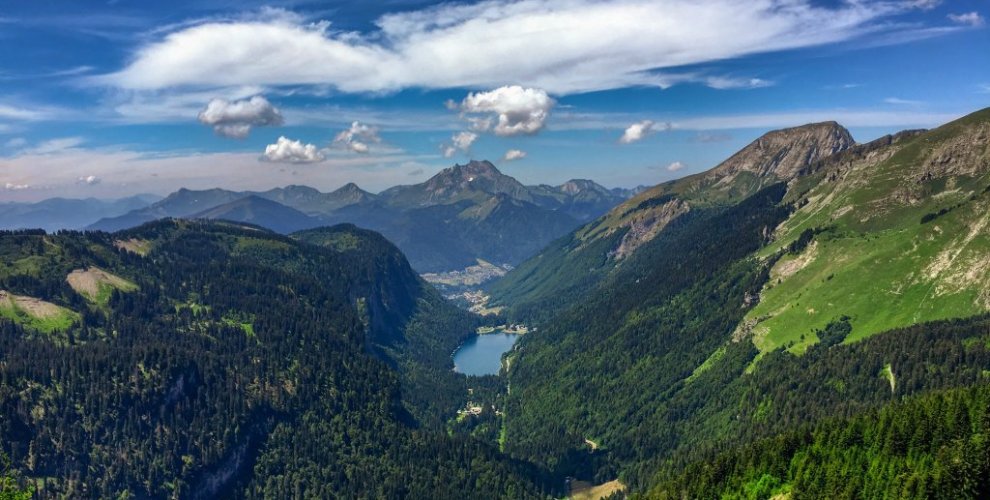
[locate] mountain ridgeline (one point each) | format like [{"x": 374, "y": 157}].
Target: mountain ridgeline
[
  {"x": 462, "y": 214},
  {"x": 805, "y": 277}
]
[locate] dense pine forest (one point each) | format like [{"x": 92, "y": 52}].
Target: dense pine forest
[{"x": 236, "y": 362}]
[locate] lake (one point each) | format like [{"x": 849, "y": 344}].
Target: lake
[{"x": 482, "y": 354}]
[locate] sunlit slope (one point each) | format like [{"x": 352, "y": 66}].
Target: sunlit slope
[
  {"x": 900, "y": 236},
  {"x": 576, "y": 262}
]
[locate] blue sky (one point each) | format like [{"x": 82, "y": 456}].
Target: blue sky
[{"x": 113, "y": 98}]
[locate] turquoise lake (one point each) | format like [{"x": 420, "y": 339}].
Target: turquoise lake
[{"x": 482, "y": 354}]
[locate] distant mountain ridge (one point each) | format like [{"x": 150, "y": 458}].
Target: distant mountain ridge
[
  {"x": 63, "y": 213},
  {"x": 463, "y": 213}
]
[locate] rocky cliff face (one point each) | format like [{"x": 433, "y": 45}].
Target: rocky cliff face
[
  {"x": 784, "y": 153},
  {"x": 780, "y": 155}
]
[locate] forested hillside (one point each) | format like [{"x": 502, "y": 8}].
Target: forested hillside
[
  {"x": 931, "y": 446},
  {"x": 679, "y": 347},
  {"x": 190, "y": 360}
]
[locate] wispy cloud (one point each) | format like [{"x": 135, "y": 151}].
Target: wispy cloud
[
  {"x": 725, "y": 82},
  {"x": 902, "y": 102},
  {"x": 567, "y": 45},
  {"x": 460, "y": 141},
  {"x": 972, "y": 19},
  {"x": 52, "y": 146}
]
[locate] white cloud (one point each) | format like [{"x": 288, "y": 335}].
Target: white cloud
[
  {"x": 89, "y": 180},
  {"x": 460, "y": 141},
  {"x": 513, "y": 109},
  {"x": 288, "y": 151},
  {"x": 17, "y": 113},
  {"x": 357, "y": 138},
  {"x": 925, "y": 4},
  {"x": 973, "y": 19},
  {"x": 513, "y": 155},
  {"x": 16, "y": 187},
  {"x": 902, "y": 102},
  {"x": 56, "y": 145},
  {"x": 235, "y": 119},
  {"x": 725, "y": 82},
  {"x": 675, "y": 166},
  {"x": 984, "y": 88},
  {"x": 848, "y": 118},
  {"x": 638, "y": 131},
  {"x": 562, "y": 46}
]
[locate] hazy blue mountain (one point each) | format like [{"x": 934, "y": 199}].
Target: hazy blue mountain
[
  {"x": 63, "y": 213},
  {"x": 459, "y": 215},
  {"x": 261, "y": 212}
]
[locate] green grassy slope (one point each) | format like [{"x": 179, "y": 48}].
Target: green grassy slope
[{"x": 902, "y": 237}]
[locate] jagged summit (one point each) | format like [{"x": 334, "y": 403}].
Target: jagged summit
[
  {"x": 784, "y": 153},
  {"x": 575, "y": 186}
]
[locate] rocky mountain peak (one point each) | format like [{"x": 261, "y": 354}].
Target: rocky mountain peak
[
  {"x": 784, "y": 153},
  {"x": 350, "y": 187},
  {"x": 575, "y": 186}
]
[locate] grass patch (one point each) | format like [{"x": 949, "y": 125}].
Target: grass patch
[
  {"x": 707, "y": 364},
  {"x": 36, "y": 314},
  {"x": 582, "y": 490}
]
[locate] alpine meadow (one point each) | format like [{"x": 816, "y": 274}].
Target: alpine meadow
[{"x": 513, "y": 249}]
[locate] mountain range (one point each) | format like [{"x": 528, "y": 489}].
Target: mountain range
[
  {"x": 807, "y": 319},
  {"x": 463, "y": 213}
]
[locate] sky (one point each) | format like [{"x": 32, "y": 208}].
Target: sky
[{"x": 113, "y": 98}]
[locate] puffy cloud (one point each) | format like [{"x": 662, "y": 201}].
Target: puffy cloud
[
  {"x": 286, "y": 150},
  {"x": 675, "y": 166},
  {"x": 973, "y": 19},
  {"x": 638, "y": 131},
  {"x": 16, "y": 187},
  {"x": 235, "y": 119},
  {"x": 89, "y": 180},
  {"x": 357, "y": 137},
  {"x": 513, "y": 110},
  {"x": 569, "y": 45},
  {"x": 513, "y": 155},
  {"x": 460, "y": 141}
]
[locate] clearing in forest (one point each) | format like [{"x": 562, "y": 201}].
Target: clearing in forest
[
  {"x": 134, "y": 245},
  {"x": 96, "y": 285},
  {"x": 582, "y": 490},
  {"x": 35, "y": 313}
]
